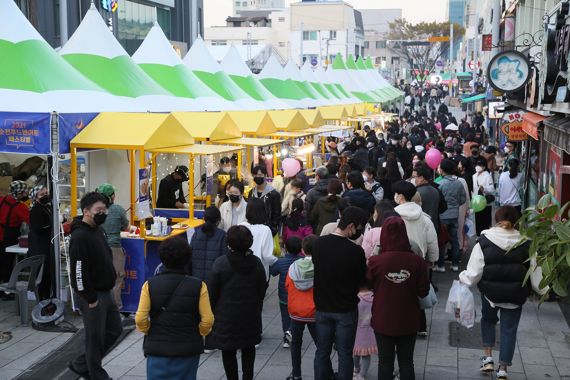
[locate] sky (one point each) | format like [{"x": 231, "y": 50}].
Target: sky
[{"x": 216, "y": 11}]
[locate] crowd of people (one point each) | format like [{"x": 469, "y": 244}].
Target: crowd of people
[{"x": 354, "y": 253}]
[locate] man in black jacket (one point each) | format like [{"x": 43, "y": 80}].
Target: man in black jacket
[
  {"x": 270, "y": 197},
  {"x": 93, "y": 277},
  {"x": 319, "y": 190}
]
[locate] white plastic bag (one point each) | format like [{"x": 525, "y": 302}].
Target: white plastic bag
[
  {"x": 470, "y": 225},
  {"x": 461, "y": 304}
]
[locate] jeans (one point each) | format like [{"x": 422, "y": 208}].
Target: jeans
[
  {"x": 166, "y": 368},
  {"x": 229, "y": 359},
  {"x": 451, "y": 225},
  {"x": 338, "y": 328},
  {"x": 388, "y": 345},
  {"x": 285, "y": 319},
  {"x": 509, "y": 324},
  {"x": 297, "y": 329}
]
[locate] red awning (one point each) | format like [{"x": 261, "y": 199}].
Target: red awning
[{"x": 530, "y": 124}]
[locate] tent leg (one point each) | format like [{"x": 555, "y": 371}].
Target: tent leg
[
  {"x": 132, "y": 164},
  {"x": 142, "y": 159},
  {"x": 191, "y": 187},
  {"x": 239, "y": 164},
  {"x": 53, "y": 174},
  {"x": 274, "y": 161}
]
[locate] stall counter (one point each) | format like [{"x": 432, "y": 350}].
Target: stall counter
[{"x": 142, "y": 259}]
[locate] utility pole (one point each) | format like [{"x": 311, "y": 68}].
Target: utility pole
[
  {"x": 63, "y": 22},
  {"x": 301, "y": 49},
  {"x": 450, "y": 44},
  {"x": 496, "y": 27}
]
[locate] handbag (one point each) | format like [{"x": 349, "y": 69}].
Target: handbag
[
  {"x": 430, "y": 300},
  {"x": 489, "y": 197}
]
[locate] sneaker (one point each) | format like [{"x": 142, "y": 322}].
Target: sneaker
[
  {"x": 438, "y": 268},
  {"x": 502, "y": 374},
  {"x": 210, "y": 351},
  {"x": 72, "y": 368},
  {"x": 287, "y": 339},
  {"x": 5, "y": 336},
  {"x": 422, "y": 334},
  {"x": 487, "y": 364},
  {"x": 294, "y": 378},
  {"x": 455, "y": 268}
]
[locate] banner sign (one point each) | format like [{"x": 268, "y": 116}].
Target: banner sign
[
  {"x": 512, "y": 127},
  {"x": 487, "y": 42},
  {"x": 27, "y": 133},
  {"x": 143, "y": 204},
  {"x": 508, "y": 71},
  {"x": 70, "y": 124}
]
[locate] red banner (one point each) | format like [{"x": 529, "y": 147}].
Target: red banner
[{"x": 487, "y": 42}]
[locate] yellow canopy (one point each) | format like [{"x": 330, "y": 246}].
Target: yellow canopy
[
  {"x": 313, "y": 117},
  {"x": 119, "y": 130},
  {"x": 350, "y": 110},
  {"x": 197, "y": 149},
  {"x": 328, "y": 129},
  {"x": 253, "y": 122},
  {"x": 288, "y": 120},
  {"x": 333, "y": 112},
  {"x": 208, "y": 126},
  {"x": 249, "y": 141},
  {"x": 290, "y": 134},
  {"x": 361, "y": 109}
]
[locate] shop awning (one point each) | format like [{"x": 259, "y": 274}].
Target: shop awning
[
  {"x": 474, "y": 98},
  {"x": 313, "y": 117},
  {"x": 290, "y": 134},
  {"x": 253, "y": 122},
  {"x": 333, "y": 112},
  {"x": 557, "y": 132},
  {"x": 197, "y": 149},
  {"x": 327, "y": 129},
  {"x": 249, "y": 141},
  {"x": 288, "y": 120},
  {"x": 350, "y": 110},
  {"x": 464, "y": 75},
  {"x": 531, "y": 122},
  {"x": 208, "y": 126},
  {"x": 361, "y": 109},
  {"x": 132, "y": 131}
]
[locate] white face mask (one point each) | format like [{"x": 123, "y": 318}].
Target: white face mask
[
  {"x": 226, "y": 169},
  {"x": 370, "y": 145},
  {"x": 479, "y": 169},
  {"x": 409, "y": 146},
  {"x": 397, "y": 199},
  {"x": 394, "y": 142},
  {"x": 413, "y": 181},
  {"x": 507, "y": 150},
  {"x": 365, "y": 177}
]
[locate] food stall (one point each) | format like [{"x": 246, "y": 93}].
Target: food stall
[{"x": 334, "y": 114}]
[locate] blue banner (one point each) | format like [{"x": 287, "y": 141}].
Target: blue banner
[
  {"x": 27, "y": 133},
  {"x": 70, "y": 124}
]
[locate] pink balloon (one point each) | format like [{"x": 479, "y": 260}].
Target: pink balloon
[
  {"x": 291, "y": 167},
  {"x": 433, "y": 158}
]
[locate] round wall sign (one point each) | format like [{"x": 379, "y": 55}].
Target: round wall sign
[{"x": 508, "y": 71}]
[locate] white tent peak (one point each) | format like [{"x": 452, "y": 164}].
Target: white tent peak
[
  {"x": 156, "y": 49},
  {"x": 292, "y": 71},
  {"x": 308, "y": 73},
  {"x": 272, "y": 69},
  {"x": 14, "y": 26},
  {"x": 199, "y": 58},
  {"x": 233, "y": 64},
  {"x": 93, "y": 37}
]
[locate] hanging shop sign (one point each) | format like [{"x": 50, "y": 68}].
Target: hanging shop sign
[
  {"x": 512, "y": 127},
  {"x": 508, "y": 71},
  {"x": 487, "y": 42},
  {"x": 27, "y": 133}
]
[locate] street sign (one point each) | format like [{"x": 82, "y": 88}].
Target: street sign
[
  {"x": 438, "y": 39},
  {"x": 439, "y": 63},
  {"x": 512, "y": 128},
  {"x": 314, "y": 61},
  {"x": 472, "y": 65},
  {"x": 487, "y": 42}
]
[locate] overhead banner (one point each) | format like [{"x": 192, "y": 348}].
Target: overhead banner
[
  {"x": 70, "y": 124},
  {"x": 27, "y": 133},
  {"x": 512, "y": 126}
]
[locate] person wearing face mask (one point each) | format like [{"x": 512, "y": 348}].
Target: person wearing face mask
[
  {"x": 510, "y": 154},
  {"x": 340, "y": 269},
  {"x": 13, "y": 213},
  {"x": 374, "y": 151},
  {"x": 170, "y": 194},
  {"x": 370, "y": 184},
  {"x": 360, "y": 158},
  {"x": 483, "y": 185},
  {"x": 93, "y": 277},
  {"x": 270, "y": 197},
  {"x": 39, "y": 238},
  {"x": 225, "y": 174},
  {"x": 357, "y": 193},
  {"x": 115, "y": 222},
  {"x": 233, "y": 210}
]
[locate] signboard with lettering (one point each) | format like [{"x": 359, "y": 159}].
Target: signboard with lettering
[
  {"x": 512, "y": 126},
  {"x": 508, "y": 71},
  {"x": 27, "y": 133},
  {"x": 487, "y": 42}
]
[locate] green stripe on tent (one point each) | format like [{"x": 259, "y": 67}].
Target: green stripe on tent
[
  {"x": 179, "y": 80},
  {"x": 360, "y": 63},
  {"x": 307, "y": 89},
  {"x": 321, "y": 90},
  {"x": 283, "y": 89},
  {"x": 221, "y": 83},
  {"x": 368, "y": 63},
  {"x": 32, "y": 65},
  {"x": 120, "y": 76},
  {"x": 252, "y": 87},
  {"x": 335, "y": 91},
  {"x": 350, "y": 62},
  {"x": 364, "y": 97},
  {"x": 342, "y": 90},
  {"x": 338, "y": 63}
]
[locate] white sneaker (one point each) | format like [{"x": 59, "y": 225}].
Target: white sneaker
[
  {"x": 210, "y": 351},
  {"x": 437, "y": 268},
  {"x": 502, "y": 374},
  {"x": 455, "y": 268},
  {"x": 487, "y": 364}
]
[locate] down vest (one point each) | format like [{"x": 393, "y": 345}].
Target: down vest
[{"x": 205, "y": 250}]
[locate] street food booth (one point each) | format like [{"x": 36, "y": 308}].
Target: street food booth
[{"x": 334, "y": 114}]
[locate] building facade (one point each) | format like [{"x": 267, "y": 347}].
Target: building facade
[
  {"x": 181, "y": 20},
  {"x": 456, "y": 15},
  {"x": 255, "y": 5},
  {"x": 321, "y": 30}
]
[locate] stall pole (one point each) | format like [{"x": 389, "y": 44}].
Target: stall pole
[
  {"x": 154, "y": 177},
  {"x": 73, "y": 180},
  {"x": 142, "y": 159},
  {"x": 248, "y": 152},
  {"x": 239, "y": 164},
  {"x": 323, "y": 147},
  {"x": 53, "y": 174},
  {"x": 274, "y": 161},
  {"x": 191, "y": 189},
  {"x": 132, "y": 165}
]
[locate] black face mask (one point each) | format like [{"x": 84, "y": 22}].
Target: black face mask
[
  {"x": 258, "y": 180},
  {"x": 234, "y": 198},
  {"x": 100, "y": 218},
  {"x": 24, "y": 199},
  {"x": 44, "y": 200},
  {"x": 357, "y": 234}
]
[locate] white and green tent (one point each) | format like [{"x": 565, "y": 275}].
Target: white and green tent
[
  {"x": 36, "y": 79},
  {"x": 159, "y": 60},
  {"x": 208, "y": 70},
  {"x": 366, "y": 85},
  {"x": 383, "y": 83},
  {"x": 337, "y": 72},
  {"x": 233, "y": 65},
  {"x": 274, "y": 79},
  {"x": 334, "y": 87},
  {"x": 94, "y": 51},
  {"x": 292, "y": 73},
  {"x": 309, "y": 77}
]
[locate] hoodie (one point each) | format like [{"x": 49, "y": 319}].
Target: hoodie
[
  {"x": 325, "y": 211},
  {"x": 505, "y": 240},
  {"x": 272, "y": 200},
  {"x": 281, "y": 268},
  {"x": 420, "y": 229},
  {"x": 398, "y": 277},
  {"x": 91, "y": 264},
  {"x": 361, "y": 198},
  {"x": 320, "y": 190},
  {"x": 299, "y": 286}
]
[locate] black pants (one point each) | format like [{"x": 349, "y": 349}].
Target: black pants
[
  {"x": 6, "y": 258},
  {"x": 229, "y": 359},
  {"x": 46, "y": 288},
  {"x": 102, "y": 326},
  {"x": 423, "y": 322},
  {"x": 388, "y": 345},
  {"x": 483, "y": 220}
]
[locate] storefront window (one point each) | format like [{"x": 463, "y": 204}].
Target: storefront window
[{"x": 135, "y": 21}]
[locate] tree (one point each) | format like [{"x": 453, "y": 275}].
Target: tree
[{"x": 411, "y": 40}]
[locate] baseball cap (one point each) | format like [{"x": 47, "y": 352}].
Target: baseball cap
[
  {"x": 106, "y": 189},
  {"x": 183, "y": 171}
]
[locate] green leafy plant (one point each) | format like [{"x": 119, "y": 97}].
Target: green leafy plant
[{"x": 547, "y": 228}]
